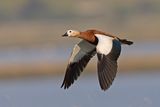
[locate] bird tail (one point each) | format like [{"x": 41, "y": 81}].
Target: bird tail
[{"x": 125, "y": 41}]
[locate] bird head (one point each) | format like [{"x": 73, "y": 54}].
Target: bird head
[{"x": 71, "y": 33}]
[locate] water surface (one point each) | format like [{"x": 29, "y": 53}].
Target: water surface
[{"x": 128, "y": 90}]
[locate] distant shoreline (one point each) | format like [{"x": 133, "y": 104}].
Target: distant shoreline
[{"x": 127, "y": 64}]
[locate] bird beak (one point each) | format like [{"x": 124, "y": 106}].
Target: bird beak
[{"x": 64, "y": 35}]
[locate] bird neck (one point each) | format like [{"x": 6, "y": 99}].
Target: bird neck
[{"x": 88, "y": 36}]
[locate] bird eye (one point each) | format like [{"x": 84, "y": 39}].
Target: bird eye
[{"x": 70, "y": 31}]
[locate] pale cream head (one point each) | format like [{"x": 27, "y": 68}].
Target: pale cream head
[{"x": 72, "y": 33}]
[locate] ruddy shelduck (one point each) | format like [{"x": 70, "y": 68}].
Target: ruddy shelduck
[{"x": 106, "y": 46}]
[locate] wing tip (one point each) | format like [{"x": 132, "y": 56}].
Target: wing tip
[
  {"x": 65, "y": 86},
  {"x": 106, "y": 87},
  {"x": 62, "y": 85}
]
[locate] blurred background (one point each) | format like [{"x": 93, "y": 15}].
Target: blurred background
[{"x": 34, "y": 56}]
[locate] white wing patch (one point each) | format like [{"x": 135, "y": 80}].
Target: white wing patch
[
  {"x": 80, "y": 50},
  {"x": 104, "y": 45},
  {"x": 75, "y": 51}
]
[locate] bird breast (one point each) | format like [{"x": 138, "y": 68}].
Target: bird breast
[{"x": 104, "y": 45}]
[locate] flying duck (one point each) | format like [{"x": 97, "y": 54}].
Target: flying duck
[{"x": 106, "y": 46}]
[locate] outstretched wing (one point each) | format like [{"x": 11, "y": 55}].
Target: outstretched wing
[
  {"x": 107, "y": 65},
  {"x": 81, "y": 54}
]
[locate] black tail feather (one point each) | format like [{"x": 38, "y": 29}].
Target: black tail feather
[{"x": 125, "y": 41}]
